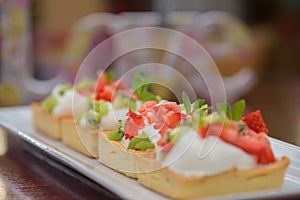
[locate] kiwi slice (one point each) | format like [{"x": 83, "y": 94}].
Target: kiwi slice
[
  {"x": 91, "y": 120},
  {"x": 101, "y": 107},
  {"x": 123, "y": 101},
  {"x": 141, "y": 143},
  {"x": 64, "y": 88},
  {"x": 49, "y": 103},
  {"x": 85, "y": 84}
]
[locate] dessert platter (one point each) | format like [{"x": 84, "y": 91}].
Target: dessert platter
[{"x": 150, "y": 148}]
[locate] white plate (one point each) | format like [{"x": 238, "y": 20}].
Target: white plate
[{"x": 18, "y": 121}]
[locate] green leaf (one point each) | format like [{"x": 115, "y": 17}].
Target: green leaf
[
  {"x": 140, "y": 82},
  {"x": 238, "y": 109},
  {"x": 109, "y": 75},
  {"x": 115, "y": 135},
  {"x": 140, "y": 86},
  {"x": 186, "y": 102},
  {"x": 224, "y": 108},
  {"x": 228, "y": 111},
  {"x": 198, "y": 104}
]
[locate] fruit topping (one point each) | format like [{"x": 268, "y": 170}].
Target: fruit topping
[{"x": 255, "y": 121}]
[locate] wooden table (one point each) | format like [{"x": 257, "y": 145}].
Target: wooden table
[{"x": 24, "y": 176}]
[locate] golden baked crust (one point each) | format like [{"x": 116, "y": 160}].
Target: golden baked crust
[
  {"x": 46, "y": 123},
  {"x": 178, "y": 186},
  {"x": 116, "y": 156},
  {"x": 79, "y": 139}
]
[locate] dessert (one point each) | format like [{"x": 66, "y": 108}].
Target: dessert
[
  {"x": 48, "y": 114},
  {"x": 118, "y": 147},
  {"x": 214, "y": 154},
  {"x": 106, "y": 104},
  {"x": 141, "y": 135},
  {"x": 112, "y": 100}
]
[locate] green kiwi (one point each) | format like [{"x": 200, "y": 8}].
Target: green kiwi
[{"x": 49, "y": 103}]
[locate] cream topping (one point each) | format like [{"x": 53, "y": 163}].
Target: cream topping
[
  {"x": 111, "y": 120},
  {"x": 195, "y": 156},
  {"x": 151, "y": 132},
  {"x": 65, "y": 104}
]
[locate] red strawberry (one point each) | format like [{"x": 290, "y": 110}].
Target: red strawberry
[
  {"x": 256, "y": 144},
  {"x": 99, "y": 87},
  {"x": 255, "y": 122},
  {"x": 133, "y": 124}
]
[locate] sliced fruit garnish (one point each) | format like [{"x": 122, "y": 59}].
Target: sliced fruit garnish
[
  {"x": 133, "y": 124},
  {"x": 64, "y": 88},
  {"x": 255, "y": 121},
  {"x": 256, "y": 144},
  {"x": 141, "y": 143},
  {"x": 91, "y": 120},
  {"x": 49, "y": 103},
  {"x": 123, "y": 101},
  {"x": 101, "y": 107},
  {"x": 116, "y": 135}
]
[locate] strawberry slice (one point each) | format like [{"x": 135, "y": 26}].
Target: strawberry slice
[
  {"x": 256, "y": 144},
  {"x": 99, "y": 87},
  {"x": 133, "y": 124},
  {"x": 255, "y": 122}
]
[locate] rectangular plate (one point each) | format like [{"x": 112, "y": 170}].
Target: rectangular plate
[{"x": 18, "y": 121}]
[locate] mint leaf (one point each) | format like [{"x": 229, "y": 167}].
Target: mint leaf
[
  {"x": 198, "y": 104},
  {"x": 235, "y": 113},
  {"x": 224, "y": 108},
  {"x": 140, "y": 86},
  {"x": 186, "y": 102},
  {"x": 140, "y": 82},
  {"x": 238, "y": 109},
  {"x": 109, "y": 75}
]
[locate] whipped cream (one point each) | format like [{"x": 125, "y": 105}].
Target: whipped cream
[
  {"x": 195, "y": 156},
  {"x": 151, "y": 132},
  {"x": 65, "y": 103},
  {"x": 111, "y": 120}
]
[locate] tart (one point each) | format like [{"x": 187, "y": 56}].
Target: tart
[
  {"x": 110, "y": 104},
  {"x": 78, "y": 138},
  {"x": 45, "y": 122},
  {"x": 178, "y": 186},
  {"x": 139, "y": 136},
  {"x": 48, "y": 114},
  {"x": 214, "y": 154}
]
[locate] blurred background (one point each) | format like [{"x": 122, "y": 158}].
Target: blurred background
[{"x": 254, "y": 43}]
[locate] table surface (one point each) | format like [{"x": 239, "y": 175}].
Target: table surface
[{"x": 24, "y": 176}]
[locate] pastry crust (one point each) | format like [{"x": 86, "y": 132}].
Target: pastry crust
[
  {"x": 79, "y": 139},
  {"x": 177, "y": 186},
  {"x": 116, "y": 156},
  {"x": 46, "y": 123}
]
